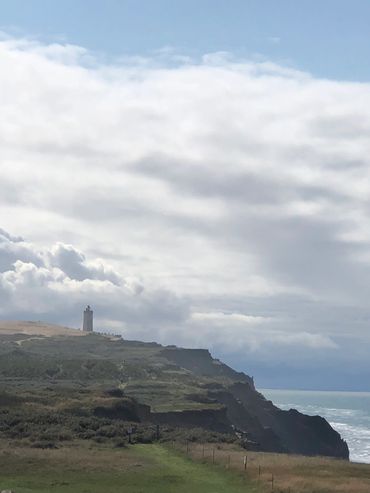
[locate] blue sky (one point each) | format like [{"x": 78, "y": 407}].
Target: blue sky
[
  {"x": 329, "y": 38},
  {"x": 206, "y": 201}
]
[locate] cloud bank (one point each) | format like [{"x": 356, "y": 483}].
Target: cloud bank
[{"x": 215, "y": 202}]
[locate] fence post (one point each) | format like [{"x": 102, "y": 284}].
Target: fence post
[
  {"x": 245, "y": 462},
  {"x": 187, "y": 447},
  {"x": 259, "y": 472},
  {"x": 203, "y": 451},
  {"x": 213, "y": 456},
  {"x": 272, "y": 482}
]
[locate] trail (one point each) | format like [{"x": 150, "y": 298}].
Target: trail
[
  {"x": 94, "y": 469},
  {"x": 175, "y": 473}
]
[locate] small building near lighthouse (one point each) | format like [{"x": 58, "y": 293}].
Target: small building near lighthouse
[{"x": 88, "y": 320}]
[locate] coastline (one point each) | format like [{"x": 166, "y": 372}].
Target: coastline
[{"x": 347, "y": 412}]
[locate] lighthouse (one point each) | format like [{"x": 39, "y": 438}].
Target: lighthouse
[{"x": 88, "y": 320}]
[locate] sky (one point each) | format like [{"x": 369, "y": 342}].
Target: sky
[{"x": 198, "y": 172}]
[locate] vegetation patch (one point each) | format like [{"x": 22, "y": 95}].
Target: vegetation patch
[{"x": 138, "y": 469}]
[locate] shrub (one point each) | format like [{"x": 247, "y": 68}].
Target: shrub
[{"x": 44, "y": 444}]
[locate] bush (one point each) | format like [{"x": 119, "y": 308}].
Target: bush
[
  {"x": 119, "y": 443},
  {"x": 44, "y": 444}
]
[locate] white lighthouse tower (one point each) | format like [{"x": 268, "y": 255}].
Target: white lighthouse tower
[{"x": 88, "y": 320}]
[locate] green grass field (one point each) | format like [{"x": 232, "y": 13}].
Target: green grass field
[
  {"x": 138, "y": 469},
  {"x": 85, "y": 467}
]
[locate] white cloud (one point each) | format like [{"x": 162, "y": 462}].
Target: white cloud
[
  {"x": 74, "y": 264},
  {"x": 252, "y": 333},
  {"x": 214, "y": 186},
  {"x": 222, "y": 318},
  {"x": 63, "y": 281}
]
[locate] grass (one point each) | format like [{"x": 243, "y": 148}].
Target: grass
[
  {"x": 84, "y": 467},
  {"x": 28, "y": 362},
  {"x": 138, "y": 469},
  {"x": 292, "y": 473},
  {"x": 170, "y": 394}
]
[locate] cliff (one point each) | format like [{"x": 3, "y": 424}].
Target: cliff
[
  {"x": 264, "y": 426},
  {"x": 45, "y": 369}
]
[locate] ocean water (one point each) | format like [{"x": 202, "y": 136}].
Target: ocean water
[{"x": 347, "y": 412}]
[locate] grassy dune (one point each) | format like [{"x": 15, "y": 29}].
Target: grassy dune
[{"x": 138, "y": 469}]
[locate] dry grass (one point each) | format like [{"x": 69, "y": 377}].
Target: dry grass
[
  {"x": 137, "y": 469},
  {"x": 37, "y": 328},
  {"x": 76, "y": 456},
  {"x": 292, "y": 473}
]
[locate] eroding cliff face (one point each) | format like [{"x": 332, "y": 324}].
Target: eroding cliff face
[
  {"x": 253, "y": 417},
  {"x": 201, "y": 363},
  {"x": 297, "y": 432},
  {"x": 210, "y": 419},
  {"x": 110, "y": 378},
  {"x": 309, "y": 435},
  {"x": 247, "y": 425}
]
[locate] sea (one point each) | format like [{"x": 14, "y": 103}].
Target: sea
[{"x": 347, "y": 412}]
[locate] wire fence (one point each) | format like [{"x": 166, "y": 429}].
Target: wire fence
[{"x": 267, "y": 478}]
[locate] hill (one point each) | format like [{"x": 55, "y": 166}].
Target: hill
[
  {"x": 36, "y": 329},
  {"x": 57, "y": 386}
]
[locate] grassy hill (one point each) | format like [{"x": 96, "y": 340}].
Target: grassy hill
[
  {"x": 36, "y": 329},
  {"x": 70, "y": 403},
  {"x": 60, "y": 384}
]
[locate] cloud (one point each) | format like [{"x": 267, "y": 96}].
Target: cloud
[
  {"x": 253, "y": 333},
  {"x": 220, "y": 317},
  {"x": 73, "y": 263},
  {"x": 63, "y": 281},
  {"x": 14, "y": 249},
  {"x": 214, "y": 201}
]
